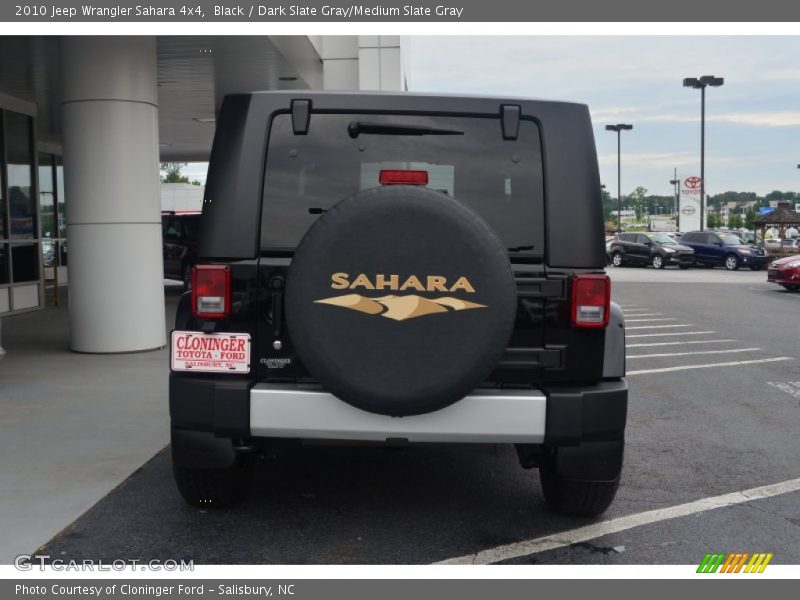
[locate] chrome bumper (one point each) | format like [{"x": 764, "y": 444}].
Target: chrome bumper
[{"x": 488, "y": 416}]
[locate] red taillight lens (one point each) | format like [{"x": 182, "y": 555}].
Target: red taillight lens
[
  {"x": 403, "y": 177},
  {"x": 211, "y": 291},
  {"x": 591, "y": 300}
]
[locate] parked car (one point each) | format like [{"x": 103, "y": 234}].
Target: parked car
[
  {"x": 792, "y": 245},
  {"x": 773, "y": 244},
  {"x": 785, "y": 272},
  {"x": 718, "y": 249},
  {"x": 179, "y": 242},
  {"x": 609, "y": 240},
  {"x": 746, "y": 235},
  {"x": 345, "y": 292},
  {"x": 655, "y": 249}
]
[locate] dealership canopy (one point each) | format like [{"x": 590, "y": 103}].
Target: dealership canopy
[{"x": 781, "y": 218}]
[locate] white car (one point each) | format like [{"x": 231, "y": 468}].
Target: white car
[{"x": 792, "y": 245}]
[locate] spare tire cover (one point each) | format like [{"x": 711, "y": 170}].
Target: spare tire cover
[{"x": 400, "y": 300}]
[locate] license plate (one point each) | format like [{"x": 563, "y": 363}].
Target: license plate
[{"x": 210, "y": 352}]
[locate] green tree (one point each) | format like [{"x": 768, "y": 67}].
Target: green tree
[
  {"x": 609, "y": 204},
  {"x": 712, "y": 221},
  {"x": 172, "y": 172},
  {"x": 637, "y": 200},
  {"x": 735, "y": 221},
  {"x": 750, "y": 219},
  {"x": 780, "y": 196},
  {"x": 731, "y": 196}
]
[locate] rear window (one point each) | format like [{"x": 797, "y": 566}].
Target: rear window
[{"x": 466, "y": 158}]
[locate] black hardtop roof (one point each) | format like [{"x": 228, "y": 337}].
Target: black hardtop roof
[
  {"x": 234, "y": 189},
  {"x": 307, "y": 93},
  {"x": 415, "y": 101}
]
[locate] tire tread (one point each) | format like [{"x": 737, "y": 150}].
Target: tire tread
[
  {"x": 577, "y": 498},
  {"x": 214, "y": 488}
]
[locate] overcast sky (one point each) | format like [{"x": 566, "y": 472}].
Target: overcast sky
[{"x": 753, "y": 121}]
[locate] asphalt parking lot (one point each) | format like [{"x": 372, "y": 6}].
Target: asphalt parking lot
[{"x": 714, "y": 374}]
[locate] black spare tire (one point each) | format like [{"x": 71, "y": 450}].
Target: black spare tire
[{"x": 400, "y": 300}]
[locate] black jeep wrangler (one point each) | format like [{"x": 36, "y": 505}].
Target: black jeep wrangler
[{"x": 400, "y": 267}]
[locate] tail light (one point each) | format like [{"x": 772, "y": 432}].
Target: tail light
[
  {"x": 211, "y": 291},
  {"x": 403, "y": 177},
  {"x": 591, "y": 300}
]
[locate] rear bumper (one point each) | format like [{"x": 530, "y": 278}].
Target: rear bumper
[
  {"x": 578, "y": 414},
  {"x": 500, "y": 416},
  {"x": 235, "y": 408}
]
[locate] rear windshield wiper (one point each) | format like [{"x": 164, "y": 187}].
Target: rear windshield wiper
[{"x": 356, "y": 128}]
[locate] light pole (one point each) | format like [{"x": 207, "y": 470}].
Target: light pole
[
  {"x": 676, "y": 183},
  {"x": 619, "y": 128},
  {"x": 602, "y": 197},
  {"x": 701, "y": 84}
]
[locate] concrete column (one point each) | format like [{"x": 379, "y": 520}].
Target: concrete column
[
  {"x": 111, "y": 173},
  {"x": 339, "y": 54},
  {"x": 380, "y": 63}
]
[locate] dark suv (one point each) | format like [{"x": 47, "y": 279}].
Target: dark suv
[
  {"x": 655, "y": 249},
  {"x": 386, "y": 268},
  {"x": 721, "y": 249}
]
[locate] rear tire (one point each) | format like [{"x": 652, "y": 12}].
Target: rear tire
[
  {"x": 791, "y": 288},
  {"x": 577, "y": 498},
  {"x": 215, "y": 488},
  {"x": 616, "y": 259}
]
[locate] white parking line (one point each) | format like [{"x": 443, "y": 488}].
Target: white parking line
[
  {"x": 649, "y": 320},
  {"x": 641, "y": 335},
  {"x": 637, "y": 314},
  {"x": 692, "y": 353},
  {"x": 590, "y": 532},
  {"x": 676, "y": 343},
  {"x": 708, "y": 366},
  {"x": 656, "y": 327}
]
